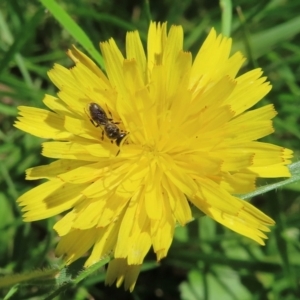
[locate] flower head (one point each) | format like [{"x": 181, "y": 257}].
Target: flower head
[{"x": 183, "y": 133}]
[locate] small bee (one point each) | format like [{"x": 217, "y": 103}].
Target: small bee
[{"x": 110, "y": 128}]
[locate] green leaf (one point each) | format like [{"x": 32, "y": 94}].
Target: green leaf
[
  {"x": 265, "y": 40},
  {"x": 74, "y": 29},
  {"x": 20, "y": 39},
  {"x": 226, "y": 7},
  {"x": 41, "y": 275},
  {"x": 219, "y": 283}
]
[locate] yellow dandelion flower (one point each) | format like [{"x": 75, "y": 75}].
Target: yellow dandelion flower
[{"x": 136, "y": 146}]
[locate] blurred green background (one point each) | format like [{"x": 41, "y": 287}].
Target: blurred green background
[{"x": 206, "y": 261}]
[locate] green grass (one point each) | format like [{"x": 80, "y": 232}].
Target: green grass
[{"x": 206, "y": 261}]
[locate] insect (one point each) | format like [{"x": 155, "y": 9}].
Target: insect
[{"x": 110, "y": 128}]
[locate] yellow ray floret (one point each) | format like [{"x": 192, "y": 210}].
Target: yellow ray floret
[{"x": 137, "y": 145}]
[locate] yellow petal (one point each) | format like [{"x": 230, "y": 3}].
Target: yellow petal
[
  {"x": 126, "y": 226},
  {"x": 75, "y": 244},
  {"x": 271, "y": 171},
  {"x": 64, "y": 225},
  {"x": 135, "y": 51},
  {"x": 163, "y": 234},
  {"x": 238, "y": 183},
  {"x": 157, "y": 37},
  {"x": 105, "y": 242},
  {"x": 49, "y": 199},
  {"x": 250, "y": 88},
  {"x": 71, "y": 150},
  {"x": 52, "y": 170},
  {"x": 78, "y": 56},
  {"x": 41, "y": 123},
  {"x": 113, "y": 62},
  {"x": 118, "y": 270}
]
